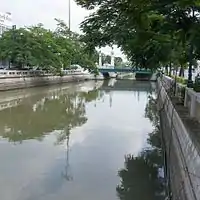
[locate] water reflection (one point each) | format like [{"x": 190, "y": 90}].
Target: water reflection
[
  {"x": 81, "y": 146},
  {"x": 67, "y": 172},
  {"x": 142, "y": 177},
  {"x": 37, "y": 116}
]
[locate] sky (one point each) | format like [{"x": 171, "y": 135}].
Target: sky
[{"x": 29, "y": 12}]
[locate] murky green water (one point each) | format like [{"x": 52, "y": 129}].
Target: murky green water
[{"x": 70, "y": 142}]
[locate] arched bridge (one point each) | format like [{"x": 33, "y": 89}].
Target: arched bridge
[{"x": 125, "y": 70}]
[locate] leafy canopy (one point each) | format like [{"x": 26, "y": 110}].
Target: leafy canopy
[
  {"x": 150, "y": 33},
  {"x": 38, "y": 46}
]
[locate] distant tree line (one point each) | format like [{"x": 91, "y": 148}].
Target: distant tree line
[{"x": 47, "y": 49}]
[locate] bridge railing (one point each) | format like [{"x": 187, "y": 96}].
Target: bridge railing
[{"x": 118, "y": 69}]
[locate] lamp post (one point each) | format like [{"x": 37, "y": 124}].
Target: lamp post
[
  {"x": 13, "y": 37},
  {"x": 112, "y": 58},
  {"x": 100, "y": 59},
  {"x": 24, "y": 62},
  {"x": 61, "y": 64}
]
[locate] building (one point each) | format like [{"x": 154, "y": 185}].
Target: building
[{"x": 5, "y": 21}]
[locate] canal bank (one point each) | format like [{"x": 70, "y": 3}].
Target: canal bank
[
  {"x": 181, "y": 141},
  {"x": 28, "y": 82},
  {"x": 12, "y": 83}
]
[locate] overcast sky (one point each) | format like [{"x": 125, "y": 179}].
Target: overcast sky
[{"x": 28, "y": 12}]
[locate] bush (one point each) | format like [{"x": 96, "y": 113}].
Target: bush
[{"x": 180, "y": 80}]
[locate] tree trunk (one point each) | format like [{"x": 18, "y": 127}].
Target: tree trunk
[
  {"x": 166, "y": 69},
  {"x": 181, "y": 71},
  {"x": 176, "y": 70},
  {"x": 170, "y": 68}
]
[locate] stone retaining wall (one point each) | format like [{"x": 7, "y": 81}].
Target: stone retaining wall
[
  {"x": 26, "y": 82},
  {"x": 183, "y": 159},
  {"x": 192, "y": 98}
]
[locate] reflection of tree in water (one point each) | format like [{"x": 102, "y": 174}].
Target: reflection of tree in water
[
  {"x": 151, "y": 111},
  {"x": 75, "y": 112},
  {"x": 141, "y": 178},
  {"x": 58, "y": 112},
  {"x": 65, "y": 134},
  {"x": 91, "y": 95}
]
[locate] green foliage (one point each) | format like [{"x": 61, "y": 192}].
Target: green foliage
[
  {"x": 53, "y": 50},
  {"x": 151, "y": 111},
  {"x": 180, "y": 80},
  {"x": 150, "y": 33}
]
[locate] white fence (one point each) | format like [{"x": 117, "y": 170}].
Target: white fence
[
  {"x": 187, "y": 153},
  {"x": 192, "y": 98}
]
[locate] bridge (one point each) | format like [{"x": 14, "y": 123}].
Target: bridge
[{"x": 124, "y": 70}]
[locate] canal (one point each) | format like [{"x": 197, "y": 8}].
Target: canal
[{"x": 92, "y": 140}]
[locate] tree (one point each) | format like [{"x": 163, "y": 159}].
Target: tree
[
  {"x": 53, "y": 50},
  {"x": 15, "y": 46},
  {"x": 49, "y": 54},
  {"x": 148, "y": 32}
]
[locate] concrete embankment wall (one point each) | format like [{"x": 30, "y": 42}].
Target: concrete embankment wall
[
  {"x": 182, "y": 155},
  {"x": 26, "y": 82}
]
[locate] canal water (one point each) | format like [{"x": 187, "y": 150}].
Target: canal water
[{"x": 92, "y": 140}]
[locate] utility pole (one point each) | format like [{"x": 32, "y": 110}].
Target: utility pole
[
  {"x": 69, "y": 23},
  {"x": 69, "y": 12},
  {"x": 112, "y": 58},
  {"x": 67, "y": 174}
]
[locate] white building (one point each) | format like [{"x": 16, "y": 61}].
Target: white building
[{"x": 5, "y": 21}]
